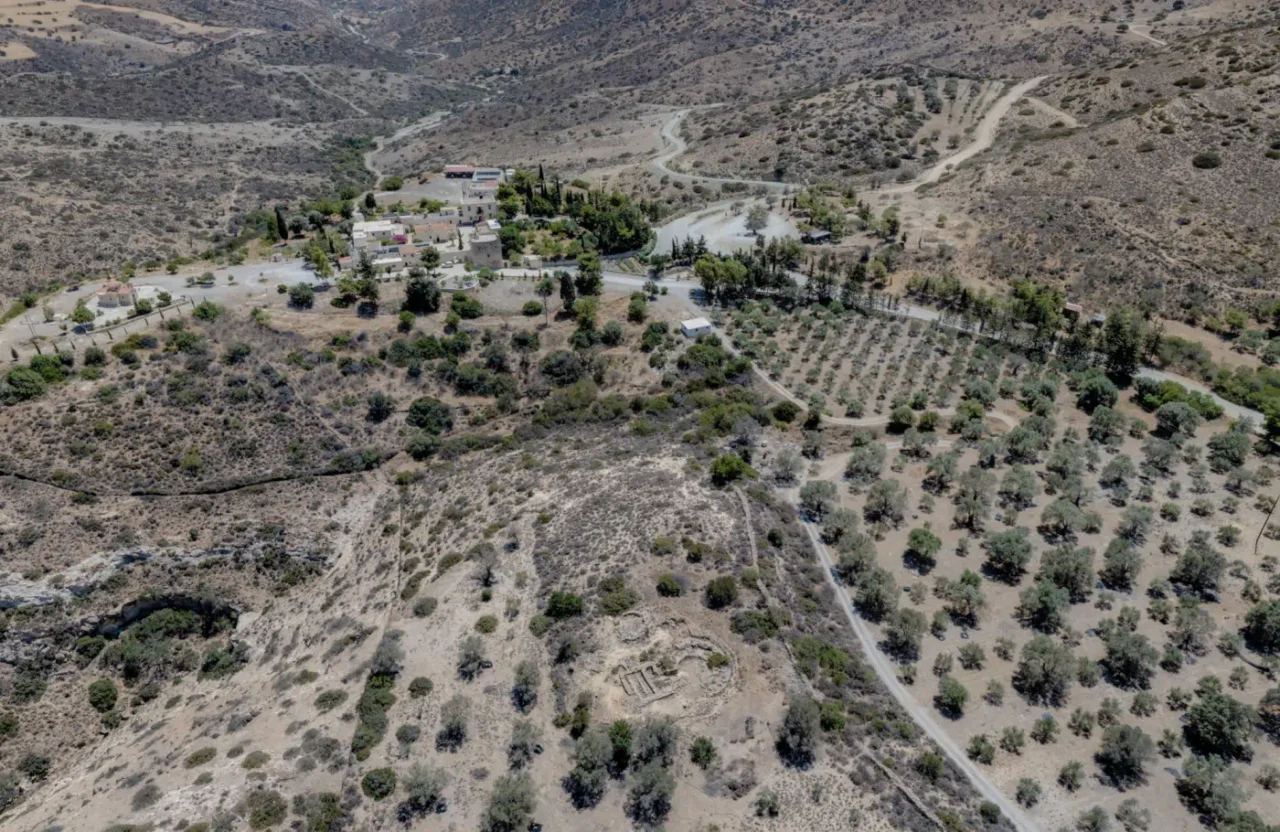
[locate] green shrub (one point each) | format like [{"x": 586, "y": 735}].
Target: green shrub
[
  {"x": 702, "y": 753},
  {"x": 786, "y": 411},
  {"x": 255, "y": 760},
  {"x": 207, "y": 311},
  {"x": 145, "y": 797},
  {"x": 420, "y": 687},
  {"x": 103, "y": 695},
  {"x": 9, "y": 725},
  {"x": 25, "y": 383},
  {"x": 721, "y": 592},
  {"x": 330, "y": 699},
  {"x": 265, "y": 808},
  {"x": 379, "y": 783},
  {"x": 616, "y": 597},
  {"x": 221, "y": 660},
  {"x": 730, "y": 467},
  {"x": 563, "y": 605},
  {"x": 35, "y": 766},
  {"x": 487, "y": 624},
  {"x": 200, "y": 757}
]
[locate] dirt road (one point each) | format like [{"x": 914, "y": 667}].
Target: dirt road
[
  {"x": 380, "y": 142},
  {"x": 315, "y": 85},
  {"x": 672, "y": 137},
  {"x": 922, "y": 715},
  {"x": 1133, "y": 29},
  {"x": 983, "y": 137}
]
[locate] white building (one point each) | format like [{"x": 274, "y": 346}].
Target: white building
[
  {"x": 369, "y": 235},
  {"x": 694, "y": 327},
  {"x": 475, "y": 210}
]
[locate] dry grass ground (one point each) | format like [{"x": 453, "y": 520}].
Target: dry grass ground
[
  {"x": 1191, "y": 500},
  {"x": 322, "y": 570}
]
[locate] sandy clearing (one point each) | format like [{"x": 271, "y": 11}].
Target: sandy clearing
[
  {"x": 725, "y": 231},
  {"x": 983, "y": 136},
  {"x": 16, "y": 50},
  {"x": 56, "y": 14},
  {"x": 51, "y": 16},
  {"x": 1050, "y": 110}
]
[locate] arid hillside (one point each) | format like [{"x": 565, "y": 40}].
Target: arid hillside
[
  {"x": 380, "y": 575},
  {"x": 1149, "y": 187}
]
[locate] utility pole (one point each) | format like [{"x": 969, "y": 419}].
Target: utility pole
[{"x": 1265, "y": 521}]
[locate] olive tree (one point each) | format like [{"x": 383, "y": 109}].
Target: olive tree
[
  {"x": 973, "y": 498},
  {"x": 817, "y": 497},
  {"x": 588, "y": 779},
  {"x": 1200, "y": 567},
  {"x": 1262, "y": 626},
  {"x": 1121, "y": 564},
  {"x": 453, "y": 723},
  {"x": 904, "y": 633},
  {"x": 886, "y": 503},
  {"x": 1130, "y": 660},
  {"x": 1008, "y": 554},
  {"x": 511, "y": 804},
  {"x": 1069, "y": 567},
  {"x": 866, "y": 463},
  {"x": 951, "y": 697},
  {"x": 650, "y": 799},
  {"x": 923, "y": 547},
  {"x": 877, "y": 594},
  {"x": 1177, "y": 421},
  {"x": 424, "y": 787},
  {"x": 1125, "y": 751},
  {"x": 837, "y": 525},
  {"x": 797, "y": 742},
  {"x": 1218, "y": 724},
  {"x": 1044, "y": 672},
  {"x": 524, "y": 690},
  {"x": 1211, "y": 788},
  {"x": 1042, "y": 606},
  {"x": 1019, "y": 488},
  {"x": 1107, "y": 426}
]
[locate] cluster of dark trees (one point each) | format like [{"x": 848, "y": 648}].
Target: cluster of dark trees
[
  {"x": 770, "y": 270},
  {"x": 614, "y": 223},
  {"x": 687, "y": 251}
]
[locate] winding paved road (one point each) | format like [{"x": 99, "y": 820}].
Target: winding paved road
[{"x": 672, "y": 137}]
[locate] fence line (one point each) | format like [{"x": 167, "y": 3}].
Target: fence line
[{"x": 91, "y": 338}]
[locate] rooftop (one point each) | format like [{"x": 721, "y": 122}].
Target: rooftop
[{"x": 380, "y": 227}]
